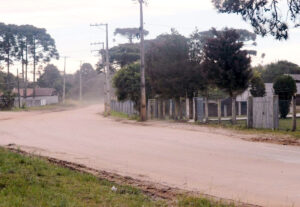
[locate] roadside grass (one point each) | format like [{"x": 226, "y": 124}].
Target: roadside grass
[
  {"x": 285, "y": 126},
  {"x": 123, "y": 115},
  {"x": 30, "y": 181},
  {"x": 67, "y": 104}
]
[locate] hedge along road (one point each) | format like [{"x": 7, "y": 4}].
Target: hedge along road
[{"x": 211, "y": 163}]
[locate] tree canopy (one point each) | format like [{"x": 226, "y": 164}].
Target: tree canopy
[
  {"x": 51, "y": 78},
  {"x": 130, "y": 33},
  {"x": 228, "y": 66},
  {"x": 285, "y": 87},
  {"x": 272, "y": 71},
  {"x": 258, "y": 88},
  {"x": 25, "y": 42},
  {"x": 198, "y": 39},
  {"x": 125, "y": 54},
  {"x": 127, "y": 82},
  {"x": 266, "y": 17},
  {"x": 168, "y": 66}
]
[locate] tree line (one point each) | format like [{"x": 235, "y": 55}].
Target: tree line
[
  {"x": 26, "y": 45},
  {"x": 177, "y": 66}
]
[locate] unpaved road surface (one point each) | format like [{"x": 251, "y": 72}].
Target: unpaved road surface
[{"x": 211, "y": 163}]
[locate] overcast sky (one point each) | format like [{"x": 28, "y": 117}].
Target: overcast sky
[{"x": 68, "y": 22}]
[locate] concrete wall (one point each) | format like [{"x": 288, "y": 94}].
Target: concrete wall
[{"x": 37, "y": 101}]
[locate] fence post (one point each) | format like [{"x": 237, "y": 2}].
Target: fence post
[
  {"x": 250, "y": 112},
  {"x": 164, "y": 109},
  {"x": 219, "y": 111},
  {"x": 206, "y": 110},
  {"x": 276, "y": 112},
  {"x": 187, "y": 108},
  {"x": 195, "y": 109},
  {"x": 171, "y": 109},
  {"x": 294, "y": 114}
]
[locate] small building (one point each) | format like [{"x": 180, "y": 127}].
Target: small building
[{"x": 43, "y": 96}]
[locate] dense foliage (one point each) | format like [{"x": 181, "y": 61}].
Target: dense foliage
[
  {"x": 285, "y": 87},
  {"x": 23, "y": 44},
  {"x": 266, "y": 17},
  {"x": 171, "y": 72},
  {"x": 258, "y": 88},
  {"x": 124, "y": 54},
  {"x": 51, "y": 78},
  {"x": 272, "y": 71},
  {"x": 130, "y": 33},
  {"x": 228, "y": 67},
  {"x": 7, "y": 100},
  {"x": 127, "y": 82}
]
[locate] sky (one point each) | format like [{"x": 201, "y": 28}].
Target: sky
[{"x": 68, "y": 22}]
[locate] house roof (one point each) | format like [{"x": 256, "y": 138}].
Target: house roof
[
  {"x": 38, "y": 92},
  {"x": 296, "y": 77},
  {"x": 269, "y": 92}
]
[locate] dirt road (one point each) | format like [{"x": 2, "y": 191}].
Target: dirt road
[{"x": 212, "y": 163}]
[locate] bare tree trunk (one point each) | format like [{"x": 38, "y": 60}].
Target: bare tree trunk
[
  {"x": 8, "y": 67},
  {"x": 26, "y": 71},
  {"x": 34, "y": 67},
  {"x": 233, "y": 110},
  {"x": 23, "y": 75}
]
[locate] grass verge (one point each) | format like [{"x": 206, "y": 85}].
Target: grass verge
[
  {"x": 285, "y": 126},
  {"x": 123, "y": 115},
  {"x": 67, "y": 104},
  {"x": 30, "y": 181}
]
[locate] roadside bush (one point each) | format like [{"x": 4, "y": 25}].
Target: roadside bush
[
  {"x": 258, "y": 88},
  {"x": 285, "y": 87},
  {"x": 7, "y": 100}
]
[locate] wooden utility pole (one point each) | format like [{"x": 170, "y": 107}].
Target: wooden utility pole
[
  {"x": 107, "y": 74},
  {"x": 102, "y": 60},
  {"x": 108, "y": 84},
  {"x": 143, "y": 110}
]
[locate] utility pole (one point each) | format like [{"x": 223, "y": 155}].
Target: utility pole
[
  {"x": 102, "y": 60},
  {"x": 107, "y": 108},
  {"x": 143, "y": 110},
  {"x": 80, "y": 83}
]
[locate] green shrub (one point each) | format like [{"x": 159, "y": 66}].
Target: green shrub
[
  {"x": 7, "y": 100},
  {"x": 285, "y": 87}
]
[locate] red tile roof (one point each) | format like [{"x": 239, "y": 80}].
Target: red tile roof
[{"x": 38, "y": 92}]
